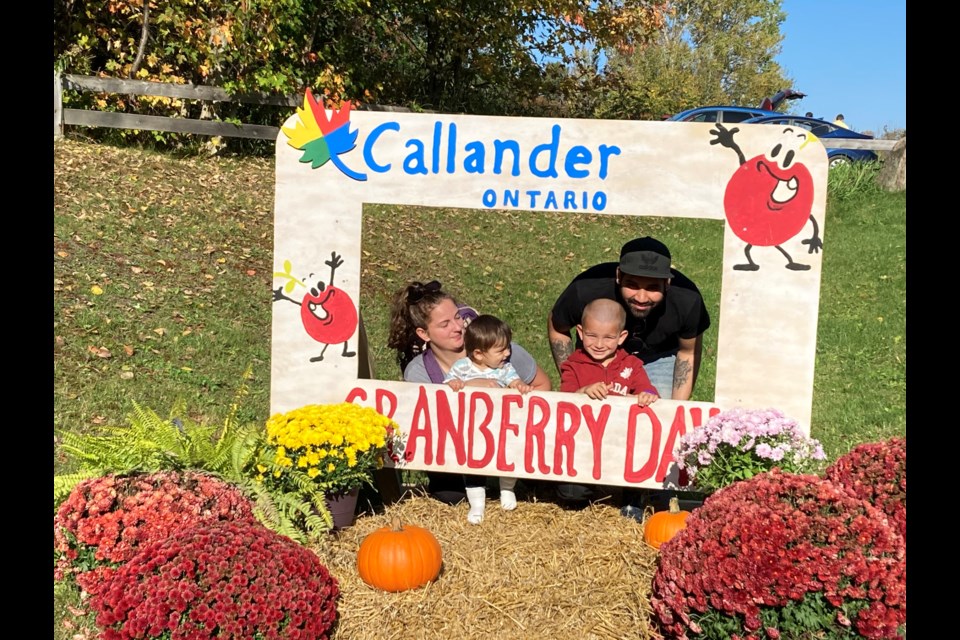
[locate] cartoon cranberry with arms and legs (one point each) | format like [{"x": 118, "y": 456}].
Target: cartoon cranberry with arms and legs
[
  {"x": 328, "y": 314},
  {"x": 769, "y": 198}
]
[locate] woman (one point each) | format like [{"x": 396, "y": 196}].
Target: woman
[
  {"x": 426, "y": 329},
  {"x": 426, "y": 322}
]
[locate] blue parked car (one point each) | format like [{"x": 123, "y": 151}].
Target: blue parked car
[
  {"x": 729, "y": 113},
  {"x": 723, "y": 114},
  {"x": 825, "y": 131}
]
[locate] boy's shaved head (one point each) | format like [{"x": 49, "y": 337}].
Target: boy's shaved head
[{"x": 606, "y": 311}]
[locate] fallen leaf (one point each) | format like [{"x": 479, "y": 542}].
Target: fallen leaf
[
  {"x": 98, "y": 420},
  {"x": 251, "y": 272},
  {"x": 75, "y": 611},
  {"x": 126, "y": 375},
  {"x": 160, "y": 331},
  {"x": 100, "y": 352},
  {"x": 127, "y": 349},
  {"x": 95, "y": 290},
  {"x": 136, "y": 269},
  {"x": 62, "y": 254}
]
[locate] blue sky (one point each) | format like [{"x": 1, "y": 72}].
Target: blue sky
[{"x": 849, "y": 57}]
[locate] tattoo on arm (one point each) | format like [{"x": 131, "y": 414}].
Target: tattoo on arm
[
  {"x": 562, "y": 349},
  {"x": 681, "y": 373}
]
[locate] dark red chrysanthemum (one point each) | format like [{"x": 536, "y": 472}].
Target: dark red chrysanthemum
[
  {"x": 877, "y": 473},
  {"x": 139, "y": 595},
  {"x": 761, "y": 544}
]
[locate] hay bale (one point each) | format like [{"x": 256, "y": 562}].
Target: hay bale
[{"x": 540, "y": 571}]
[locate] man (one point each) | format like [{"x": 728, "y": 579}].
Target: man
[
  {"x": 666, "y": 316},
  {"x": 840, "y": 122}
]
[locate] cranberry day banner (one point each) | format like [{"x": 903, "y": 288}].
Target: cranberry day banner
[{"x": 767, "y": 183}]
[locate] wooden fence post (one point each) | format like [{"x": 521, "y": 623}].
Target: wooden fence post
[{"x": 57, "y": 106}]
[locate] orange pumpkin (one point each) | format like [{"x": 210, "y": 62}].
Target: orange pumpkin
[
  {"x": 663, "y": 525},
  {"x": 399, "y": 557}
]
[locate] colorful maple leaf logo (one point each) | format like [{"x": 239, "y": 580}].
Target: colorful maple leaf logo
[{"x": 321, "y": 138}]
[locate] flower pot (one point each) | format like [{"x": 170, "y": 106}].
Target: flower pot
[{"x": 343, "y": 507}]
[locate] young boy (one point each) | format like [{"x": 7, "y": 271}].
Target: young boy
[
  {"x": 487, "y": 343},
  {"x": 600, "y": 367}
]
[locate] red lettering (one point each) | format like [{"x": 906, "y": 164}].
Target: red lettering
[
  {"x": 564, "y": 437},
  {"x": 475, "y": 399},
  {"x": 697, "y": 412},
  {"x": 355, "y": 393},
  {"x": 446, "y": 428},
  {"x": 534, "y": 437},
  {"x": 678, "y": 428},
  {"x": 420, "y": 428},
  {"x": 505, "y": 427},
  {"x": 383, "y": 395},
  {"x": 629, "y": 474},
  {"x": 596, "y": 428}
]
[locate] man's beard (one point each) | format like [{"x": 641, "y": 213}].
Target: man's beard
[{"x": 640, "y": 312}]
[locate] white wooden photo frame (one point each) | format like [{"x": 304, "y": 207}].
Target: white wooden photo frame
[{"x": 767, "y": 182}]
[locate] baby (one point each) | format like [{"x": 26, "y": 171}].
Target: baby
[{"x": 487, "y": 343}]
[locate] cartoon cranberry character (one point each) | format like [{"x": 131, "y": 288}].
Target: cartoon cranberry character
[
  {"x": 328, "y": 314},
  {"x": 769, "y": 198}
]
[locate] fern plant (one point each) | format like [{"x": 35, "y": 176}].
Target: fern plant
[{"x": 232, "y": 451}]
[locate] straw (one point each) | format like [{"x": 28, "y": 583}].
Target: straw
[{"x": 540, "y": 571}]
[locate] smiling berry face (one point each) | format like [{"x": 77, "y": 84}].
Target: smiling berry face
[
  {"x": 769, "y": 198},
  {"x": 329, "y": 315}
]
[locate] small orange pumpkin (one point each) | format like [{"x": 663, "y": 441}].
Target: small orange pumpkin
[
  {"x": 399, "y": 557},
  {"x": 663, "y": 525}
]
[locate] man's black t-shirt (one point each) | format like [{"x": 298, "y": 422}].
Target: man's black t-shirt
[{"x": 682, "y": 314}]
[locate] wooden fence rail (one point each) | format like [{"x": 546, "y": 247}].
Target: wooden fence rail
[{"x": 94, "y": 118}]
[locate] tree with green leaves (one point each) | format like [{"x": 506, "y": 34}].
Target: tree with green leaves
[
  {"x": 473, "y": 56},
  {"x": 710, "y": 52},
  {"x": 483, "y": 56},
  {"x": 272, "y": 46}
]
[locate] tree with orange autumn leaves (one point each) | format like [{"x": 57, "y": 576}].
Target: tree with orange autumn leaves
[
  {"x": 438, "y": 54},
  {"x": 497, "y": 57}
]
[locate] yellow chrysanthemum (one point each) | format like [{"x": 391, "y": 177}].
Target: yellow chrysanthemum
[{"x": 330, "y": 443}]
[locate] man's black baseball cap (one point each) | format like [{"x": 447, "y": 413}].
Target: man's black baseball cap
[{"x": 645, "y": 257}]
